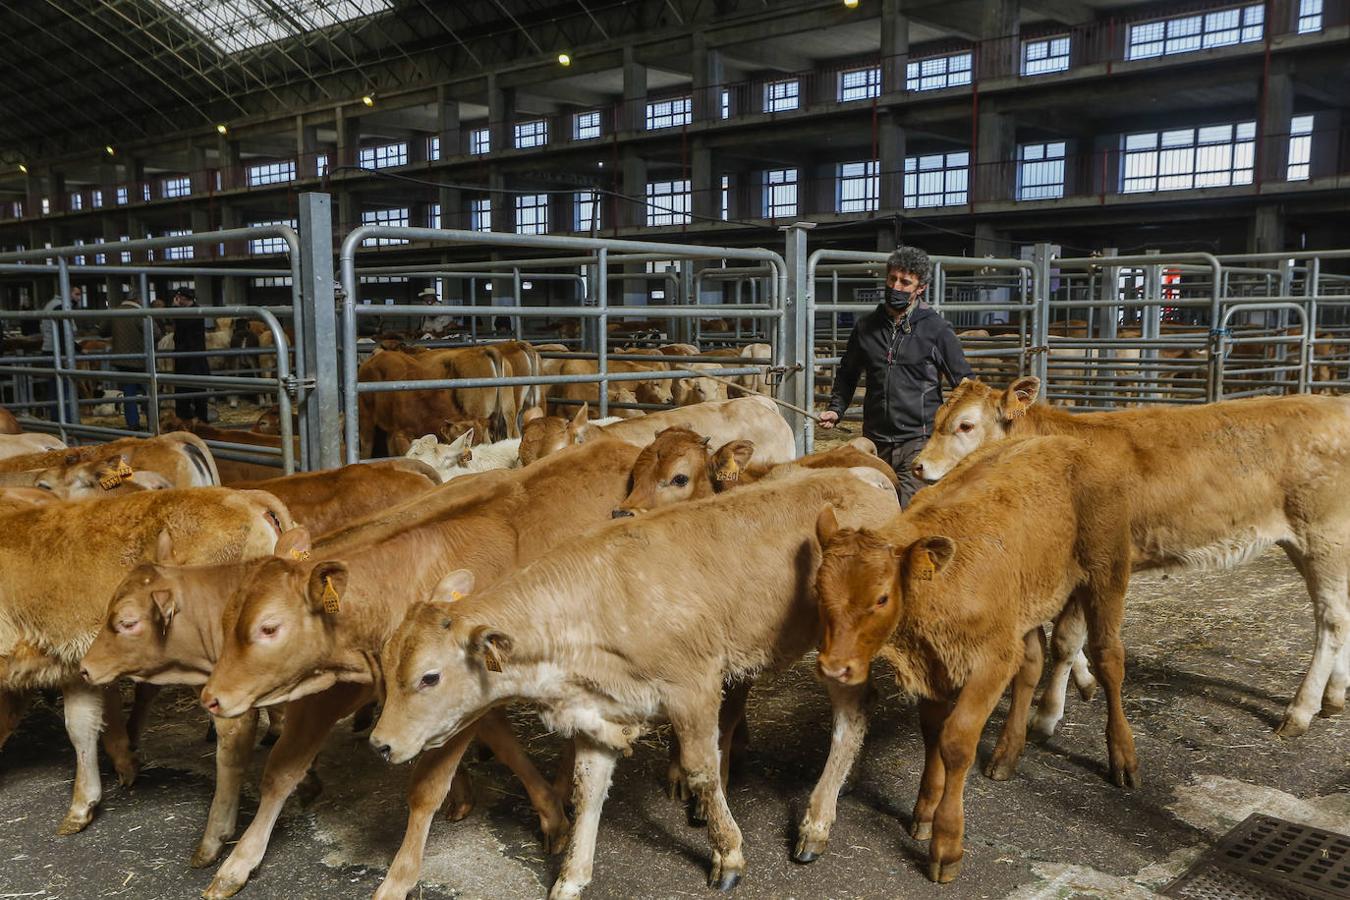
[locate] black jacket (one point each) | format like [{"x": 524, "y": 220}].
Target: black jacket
[
  {"x": 188, "y": 335},
  {"x": 904, "y": 363}
]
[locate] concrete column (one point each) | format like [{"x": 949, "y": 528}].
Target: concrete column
[
  {"x": 418, "y": 146},
  {"x": 447, "y": 124},
  {"x": 633, "y": 116},
  {"x": 56, "y": 191},
  {"x": 1325, "y": 143},
  {"x": 709, "y": 74},
  {"x": 999, "y": 52},
  {"x": 704, "y": 185},
  {"x": 306, "y": 149},
  {"x": 894, "y": 46},
  {"x": 501, "y": 110},
  {"x": 633, "y": 214},
  {"x": 1265, "y": 234},
  {"x": 995, "y": 168},
  {"x": 199, "y": 179},
  {"x": 503, "y": 205},
  {"x": 887, "y": 239},
  {"x": 989, "y": 242},
  {"x": 349, "y": 215},
  {"x": 348, "y": 127},
  {"x": 891, "y": 149},
  {"x": 1277, "y": 110},
  {"x": 232, "y": 173}
]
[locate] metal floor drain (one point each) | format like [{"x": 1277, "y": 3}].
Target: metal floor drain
[{"x": 1265, "y": 858}]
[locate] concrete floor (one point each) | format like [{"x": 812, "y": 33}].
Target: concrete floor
[{"x": 1213, "y": 659}]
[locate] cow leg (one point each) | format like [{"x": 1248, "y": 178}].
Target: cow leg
[
  {"x": 1013, "y": 740},
  {"x": 562, "y": 779},
  {"x": 730, "y": 722},
  {"x": 1082, "y": 677},
  {"x": 1066, "y": 644},
  {"x": 846, "y": 737},
  {"x": 308, "y": 722},
  {"x": 1104, "y": 606},
  {"x": 495, "y": 731},
  {"x": 432, "y": 776},
  {"x": 12, "y": 706},
  {"x": 932, "y": 715},
  {"x": 957, "y": 744},
  {"x": 591, "y": 778},
  {"x": 84, "y": 722},
  {"x": 1324, "y": 572},
  {"x": 116, "y": 741},
  {"x": 141, "y": 704},
  {"x": 699, "y": 738},
  {"x": 234, "y": 749}
]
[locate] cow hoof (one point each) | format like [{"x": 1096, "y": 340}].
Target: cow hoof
[
  {"x": 1041, "y": 731},
  {"x": 944, "y": 873},
  {"x": 1331, "y": 709},
  {"x": 726, "y": 871},
  {"x": 1087, "y": 691},
  {"x": 223, "y": 886},
  {"x": 309, "y": 789},
  {"x": 74, "y": 823},
  {"x": 1291, "y": 728},
  {"x": 458, "y": 810},
  {"x": 809, "y": 849},
  {"x": 921, "y": 831},
  {"x": 1126, "y": 778},
  {"x": 728, "y": 881},
  {"x": 555, "y": 839},
  {"x": 565, "y": 890},
  {"x": 204, "y": 856},
  {"x": 126, "y": 773},
  {"x": 999, "y": 769}
]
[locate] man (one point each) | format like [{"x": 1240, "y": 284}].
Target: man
[
  {"x": 905, "y": 349},
  {"x": 189, "y": 335},
  {"x": 433, "y": 326},
  {"x": 128, "y": 338}
]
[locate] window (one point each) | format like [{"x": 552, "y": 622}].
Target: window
[
  {"x": 434, "y": 215},
  {"x": 533, "y": 133},
  {"x": 1300, "y": 148},
  {"x": 780, "y": 96},
  {"x": 272, "y": 243},
  {"x": 271, "y": 173},
  {"x": 480, "y": 141},
  {"x": 46, "y": 206},
  {"x": 938, "y": 179},
  {"x": 126, "y": 254},
  {"x": 122, "y": 196},
  {"x": 99, "y": 258},
  {"x": 937, "y": 72},
  {"x": 726, "y": 104},
  {"x": 79, "y": 260},
  {"x": 480, "y": 214},
  {"x": 669, "y": 113},
  {"x": 96, "y": 198},
  {"x": 1212, "y": 156},
  {"x": 76, "y": 201},
  {"x": 860, "y": 84},
  {"x": 859, "y": 187},
  {"x": 1309, "y": 16},
  {"x": 321, "y": 164},
  {"x": 586, "y": 125},
  {"x": 179, "y": 186},
  {"x": 668, "y": 203},
  {"x": 586, "y": 206},
  {"x": 780, "y": 193},
  {"x": 145, "y": 191},
  {"x": 726, "y": 197},
  {"x": 383, "y": 157},
  {"x": 1040, "y": 171},
  {"x": 1184, "y": 34},
  {"x": 398, "y": 217},
  {"x": 433, "y": 148},
  {"x": 178, "y": 252},
  {"x": 278, "y": 281},
  {"x": 236, "y": 27},
  {"x": 531, "y": 213},
  {"x": 1047, "y": 54}
]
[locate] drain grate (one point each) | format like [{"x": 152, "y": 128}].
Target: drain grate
[{"x": 1265, "y": 858}]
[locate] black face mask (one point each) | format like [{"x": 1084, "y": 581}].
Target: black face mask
[{"x": 898, "y": 300}]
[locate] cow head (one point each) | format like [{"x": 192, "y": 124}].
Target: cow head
[
  {"x": 656, "y": 391},
  {"x": 135, "y": 631},
  {"x": 861, "y": 589},
  {"x": 974, "y": 415},
  {"x": 673, "y": 468},
  {"x": 452, "y": 430},
  {"x": 280, "y": 631},
  {"x": 441, "y": 671},
  {"x": 98, "y": 478},
  {"x": 545, "y": 435}
]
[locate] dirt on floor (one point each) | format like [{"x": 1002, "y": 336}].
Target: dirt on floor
[{"x": 1213, "y": 658}]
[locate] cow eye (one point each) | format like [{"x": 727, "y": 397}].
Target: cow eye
[
  {"x": 269, "y": 630},
  {"x": 129, "y": 626},
  {"x": 965, "y": 426},
  {"x": 43, "y": 486},
  {"x": 680, "y": 480},
  {"x": 429, "y": 680},
  {"x": 883, "y": 600}
]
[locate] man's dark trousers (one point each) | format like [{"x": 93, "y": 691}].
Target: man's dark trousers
[{"x": 900, "y": 457}]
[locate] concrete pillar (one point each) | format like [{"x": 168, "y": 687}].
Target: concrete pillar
[
  {"x": 418, "y": 146},
  {"x": 989, "y": 242},
  {"x": 501, "y": 110},
  {"x": 633, "y": 214},
  {"x": 1326, "y": 144},
  {"x": 348, "y": 128},
  {"x": 306, "y": 149},
  {"x": 633, "y": 116},
  {"x": 709, "y": 74},
  {"x": 999, "y": 52},
  {"x": 891, "y": 149},
  {"x": 199, "y": 179},
  {"x": 887, "y": 239},
  {"x": 704, "y": 185},
  {"x": 994, "y": 160},
  {"x": 231, "y": 165},
  {"x": 56, "y": 191},
  {"x": 1265, "y": 233},
  {"x": 1277, "y": 109},
  {"x": 503, "y": 205},
  {"x": 447, "y": 125},
  {"x": 894, "y": 46}
]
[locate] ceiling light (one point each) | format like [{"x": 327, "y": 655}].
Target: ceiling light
[
  {"x": 23, "y": 168},
  {"x": 368, "y": 100},
  {"x": 602, "y": 163},
  {"x": 108, "y": 149},
  {"x": 222, "y": 129},
  {"x": 851, "y": 4},
  {"x": 564, "y": 59}
]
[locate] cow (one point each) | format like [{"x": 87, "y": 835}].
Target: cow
[
  {"x": 606, "y": 637},
  {"x": 182, "y": 458},
  {"x": 13, "y": 445},
  {"x": 9, "y": 424},
  {"x": 322, "y": 501},
  {"x": 58, "y": 565},
  {"x": 680, "y": 465},
  {"x": 952, "y": 593},
  {"x": 750, "y": 418},
  {"x": 1212, "y": 486},
  {"x": 750, "y": 354},
  {"x": 284, "y": 642},
  {"x": 524, "y": 362},
  {"x": 618, "y": 392},
  {"x": 98, "y": 478}
]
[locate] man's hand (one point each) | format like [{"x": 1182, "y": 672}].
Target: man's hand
[{"x": 827, "y": 419}]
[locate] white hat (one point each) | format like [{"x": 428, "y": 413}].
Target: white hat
[{"x": 427, "y": 292}]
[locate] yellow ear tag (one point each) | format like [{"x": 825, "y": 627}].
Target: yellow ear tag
[
  {"x": 491, "y": 661},
  {"x": 456, "y": 596},
  {"x": 299, "y": 554},
  {"x": 124, "y": 469},
  {"x": 924, "y": 570},
  {"x": 110, "y": 481},
  {"x": 331, "y": 604},
  {"x": 732, "y": 471}
]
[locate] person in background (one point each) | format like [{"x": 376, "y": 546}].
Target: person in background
[
  {"x": 437, "y": 326},
  {"x": 189, "y": 335},
  {"x": 905, "y": 349},
  {"x": 128, "y": 338}
]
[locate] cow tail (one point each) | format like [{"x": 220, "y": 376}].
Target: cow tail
[
  {"x": 199, "y": 455},
  {"x": 497, "y": 425}
]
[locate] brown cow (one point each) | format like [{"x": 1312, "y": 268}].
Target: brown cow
[
  {"x": 1211, "y": 485},
  {"x": 59, "y": 563},
  {"x": 98, "y": 478},
  {"x": 523, "y": 361},
  {"x": 182, "y": 458},
  {"x": 322, "y": 501},
  {"x": 953, "y": 593},
  {"x": 617, "y": 391},
  {"x": 12, "y": 445},
  {"x": 312, "y": 647},
  {"x": 606, "y": 636},
  {"x": 234, "y": 472},
  {"x": 9, "y": 424}
]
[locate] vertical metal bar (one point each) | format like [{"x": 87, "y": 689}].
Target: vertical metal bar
[
  {"x": 319, "y": 419},
  {"x": 520, "y": 301},
  {"x": 63, "y": 344},
  {"x": 473, "y": 301},
  {"x": 1310, "y": 285},
  {"x": 1108, "y": 290},
  {"x": 151, "y": 368},
  {"x": 602, "y": 331},
  {"x": 794, "y": 344},
  {"x": 350, "y": 426},
  {"x": 1041, "y": 317},
  {"x": 1150, "y": 327}
]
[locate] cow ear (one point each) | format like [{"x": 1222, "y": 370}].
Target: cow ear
[
  {"x": 827, "y": 526},
  {"x": 930, "y": 555},
  {"x": 293, "y": 543},
  {"x": 453, "y": 587},
  {"x": 164, "y": 549},
  {"x": 530, "y": 415},
  {"x": 491, "y": 646},
  {"x": 582, "y": 417},
  {"x": 166, "y": 602},
  {"x": 327, "y": 586},
  {"x": 731, "y": 458},
  {"x": 1018, "y": 396}
]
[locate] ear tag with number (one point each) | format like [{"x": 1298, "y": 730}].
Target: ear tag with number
[{"x": 331, "y": 603}]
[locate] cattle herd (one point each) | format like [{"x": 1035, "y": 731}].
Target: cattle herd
[{"x": 599, "y": 574}]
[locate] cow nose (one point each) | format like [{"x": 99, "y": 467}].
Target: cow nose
[
  {"x": 383, "y": 749},
  {"x": 84, "y": 673},
  {"x": 621, "y": 514},
  {"x": 211, "y": 703},
  {"x": 840, "y": 673},
  {"x": 918, "y": 470}
]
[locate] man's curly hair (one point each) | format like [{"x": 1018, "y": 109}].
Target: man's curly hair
[{"x": 911, "y": 259}]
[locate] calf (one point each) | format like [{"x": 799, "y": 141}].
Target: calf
[
  {"x": 98, "y": 478},
  {"x": 1211, "y": 485},
  {"x": 607, "y": 637},
  {"x": 299, "y": 626},
  {"x": 18, "y": 445},
  {"x": 58, "y": 565},
  {"x": 182, "y": 458},
  {"x": 952, "y": 594},
  {"x": 322, "y": 501}
]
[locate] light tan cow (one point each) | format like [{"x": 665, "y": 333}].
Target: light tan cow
[
  {"x": 606, "y": 637},
  {"x": 285, "y": 641},
  {"x": 323, "y": 501},
  {"x": 1211, "y": 486},
  {"x": 99, "y": 478},
  {"x": 58, "y": 565},
  {"x": 9, "y": 424},
  {"x": 182, "y": 458},
  {"x": 12, "y": 445},
  {"x": 618, "y": 392}
]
